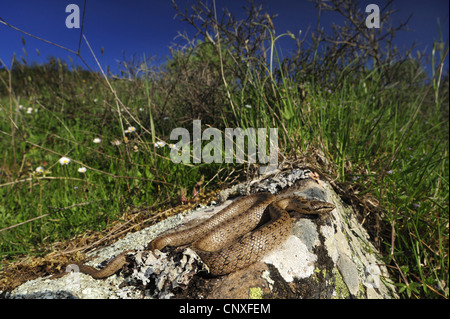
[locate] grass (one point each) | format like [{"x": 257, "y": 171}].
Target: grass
[
  {"x": 123, "y": 170},
  {"x": 387, "y": 145}
]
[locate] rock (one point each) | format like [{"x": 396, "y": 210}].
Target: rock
[{"x": 325, "y": 257}]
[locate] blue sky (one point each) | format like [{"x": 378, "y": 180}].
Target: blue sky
[{"x": 148, "y": 26}]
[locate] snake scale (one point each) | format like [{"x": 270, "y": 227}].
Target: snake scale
[{"x": 234, "y": 238}]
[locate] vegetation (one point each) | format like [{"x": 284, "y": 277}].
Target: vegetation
[{"x": 367, "y": 114}]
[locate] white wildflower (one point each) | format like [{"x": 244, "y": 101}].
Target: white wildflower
[
  {"x": 82, "y": 170},
  {"x": 97, "y": 140},
  {"x": 40, "y": 169},
  {"x": 64, "y": 160},
  {"x": 160, "y": 144},
  {"x": 116, "y": 142}
]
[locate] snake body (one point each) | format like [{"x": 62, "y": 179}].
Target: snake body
[{"x": 235, "y": 237}]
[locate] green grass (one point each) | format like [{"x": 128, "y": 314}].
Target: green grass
[
  {"x": 118, "y": 177},
  {"x": 389, "y": 142}
]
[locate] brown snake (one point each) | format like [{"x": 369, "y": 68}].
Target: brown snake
[{"x": 237, "y": 236}]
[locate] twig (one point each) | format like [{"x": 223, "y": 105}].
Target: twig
[
  {"x": 91, "y": 168},
  {"x": 41, "y": 177},
  {"x": 36, "y": 37},
  {"x": 110, "y": 235},
  {"x": 77, "y": 53},
  {"x": 392, "y": 252},
  {"x": 81, "y": 30},
  {"x": 48, "y": 214}
]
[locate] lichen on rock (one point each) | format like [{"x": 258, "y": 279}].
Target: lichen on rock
[{"x": 325, "y": 257}]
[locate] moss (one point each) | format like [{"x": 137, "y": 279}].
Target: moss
[
  {"x": 255, "y": 293},
  {"x": 361, "y": 292},
  {"x": 341, "y": 289}
]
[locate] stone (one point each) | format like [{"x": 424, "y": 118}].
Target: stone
[{"x": 325, "y": 257}]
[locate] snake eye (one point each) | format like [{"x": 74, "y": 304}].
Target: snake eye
[{"x": 325, "y": 207}]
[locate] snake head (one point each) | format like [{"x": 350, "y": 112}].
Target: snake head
[
  {"x": 305, "y": 206},
  {"x": 319, "y": 207}
]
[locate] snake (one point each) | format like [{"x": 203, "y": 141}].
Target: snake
[{"x": 234, "y": 238}]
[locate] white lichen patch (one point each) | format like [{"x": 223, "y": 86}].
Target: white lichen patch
[
  {"x": 266, "y": 275},
  {"x": 292, "y": 259},
  {"x": 373, "y": 273},
  {"x": 331, "y": 242},
  {"x": 73, "y": 285},
  {"x": 161, "y": 273}
]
